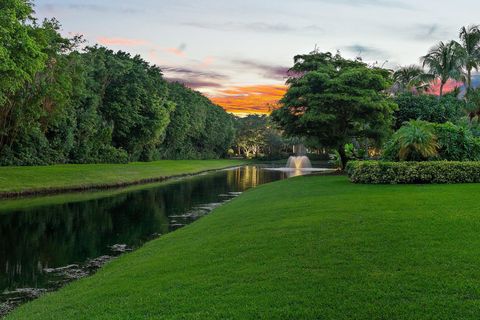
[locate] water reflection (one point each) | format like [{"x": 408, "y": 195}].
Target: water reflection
[{"x": 55, "y": 235}]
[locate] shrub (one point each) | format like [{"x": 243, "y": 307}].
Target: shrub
[
  {"x": 382, "y": 172},
  {"x": 456, "y": 143},
  {"x": 416, "y": 140},
  {"x": 453, "y": 143}
]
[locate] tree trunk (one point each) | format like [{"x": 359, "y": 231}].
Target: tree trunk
[
  {"x": 343, "y": 156},
  {"x": 469, "y": 79},
  {"x": 441, "y": 89}
]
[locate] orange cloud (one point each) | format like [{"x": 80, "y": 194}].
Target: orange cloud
[
  {"x": 121, "y": 42},
  {"x": 259, "y": 99}
]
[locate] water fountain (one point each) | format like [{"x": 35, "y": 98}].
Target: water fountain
[{"x": 299, "y": 164}]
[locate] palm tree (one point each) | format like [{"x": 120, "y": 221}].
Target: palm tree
[
  {"x": 470, "y": 40},
  {"x": 445, "y": 61},
  {"x": 472, "y": 106},
  {"x": 416, "y": 141},
  {"x": 411, "y": 79}
]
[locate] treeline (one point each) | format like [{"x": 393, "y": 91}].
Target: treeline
[{"x": 63, "y": 104}]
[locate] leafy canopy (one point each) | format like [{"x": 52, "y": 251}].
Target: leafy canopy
[
  {"x": 428, "y": 108},
  {"x": 333, "y": 100}
]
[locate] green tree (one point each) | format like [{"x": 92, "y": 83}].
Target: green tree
[
  {"x": 59, "y": 104},
  {"x": 412, "y": 79},
  {"x": 132, "y": 97},
  {"x": 334, "y": 100},
  {"x": 39, "y": 129},
  {"x": 218, "y": 134},
  {"x": 456, "y": 142},
  {"x": 427, "y": 108},
  {"x": 251, "y": 135},
  {"x": 21, "y": 57},
  {"x": 445, "y": 61},
  {"x": 470, "y": 40},
  {"x": 198, "y": 129}
]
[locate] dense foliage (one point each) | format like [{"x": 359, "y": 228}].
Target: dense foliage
[
  {"x": 59, "y": 104},
  {"x": 382, "y": 172},
  {"x": 334, "y": 100},
  {"x": 257, "y": 137},
  {"x": 420, "y": 141},
  {"x": 198, "y": 129},
  {"x": 428, "y": 108},
  {"x": 414, "y": 141}
]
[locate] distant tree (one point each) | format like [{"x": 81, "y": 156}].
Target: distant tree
[
  {"x": 333, "y": 100},
  {"x": 445, "y": 61},
  {"x": 412, "y": 79},
  {"x": 250, "y": 134},
  {"x": 470, "y": 41},
  {"x": 218, "y": 134},
  {"x": 198, "y": 129}
]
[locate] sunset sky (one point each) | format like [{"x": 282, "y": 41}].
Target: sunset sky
[{"x": 237, "y": 52}]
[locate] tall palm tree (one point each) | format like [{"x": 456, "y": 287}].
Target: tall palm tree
[
  {"x": 470, "y": 40},
  {"x": 445, "y": 61},
  {"x": 412, "y": 79}
]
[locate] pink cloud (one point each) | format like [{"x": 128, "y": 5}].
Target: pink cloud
[
  {"x": 176, "y": 51},
  {"x": 448, "y": 87},
  {"x": 207, "y": 61},
  {"x": 121, "y": 42}
]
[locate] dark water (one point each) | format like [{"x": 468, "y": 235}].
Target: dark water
[{"x": 36, "y": 239}]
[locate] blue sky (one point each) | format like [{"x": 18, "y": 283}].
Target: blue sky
[{"x": 216, "y": 46}]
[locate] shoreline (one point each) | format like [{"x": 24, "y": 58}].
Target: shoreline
[
  {"x": 104, "y": 186},
  {"x": 267, "y": 253}
]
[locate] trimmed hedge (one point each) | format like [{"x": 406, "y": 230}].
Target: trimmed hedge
[{"x": 382, "y": 172}]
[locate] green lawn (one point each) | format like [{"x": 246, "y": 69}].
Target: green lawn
[
  {"x": 314, "y": 247},
  {"x": 21, "y": 179}
]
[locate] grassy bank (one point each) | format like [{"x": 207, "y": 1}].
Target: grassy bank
[
  {"x": 304, "y": 248},
  {"x": 45, "y": 179}
]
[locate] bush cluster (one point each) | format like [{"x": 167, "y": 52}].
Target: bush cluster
[
  {"x": 407, "y": 172},
  {"x": 453, "y": 143}
]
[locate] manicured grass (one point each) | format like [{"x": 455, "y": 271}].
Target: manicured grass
[
  {"x": 315, "y": 247},
  {"x": 22, "y": 203},
  {"x": 21, "y": 179}
]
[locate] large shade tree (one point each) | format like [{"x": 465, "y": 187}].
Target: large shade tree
[
  {"x": 445, "y": 61},
  {"x": 334, "y": 100}
]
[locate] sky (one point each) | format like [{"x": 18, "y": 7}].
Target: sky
[{"x": 237, "y": 52}]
